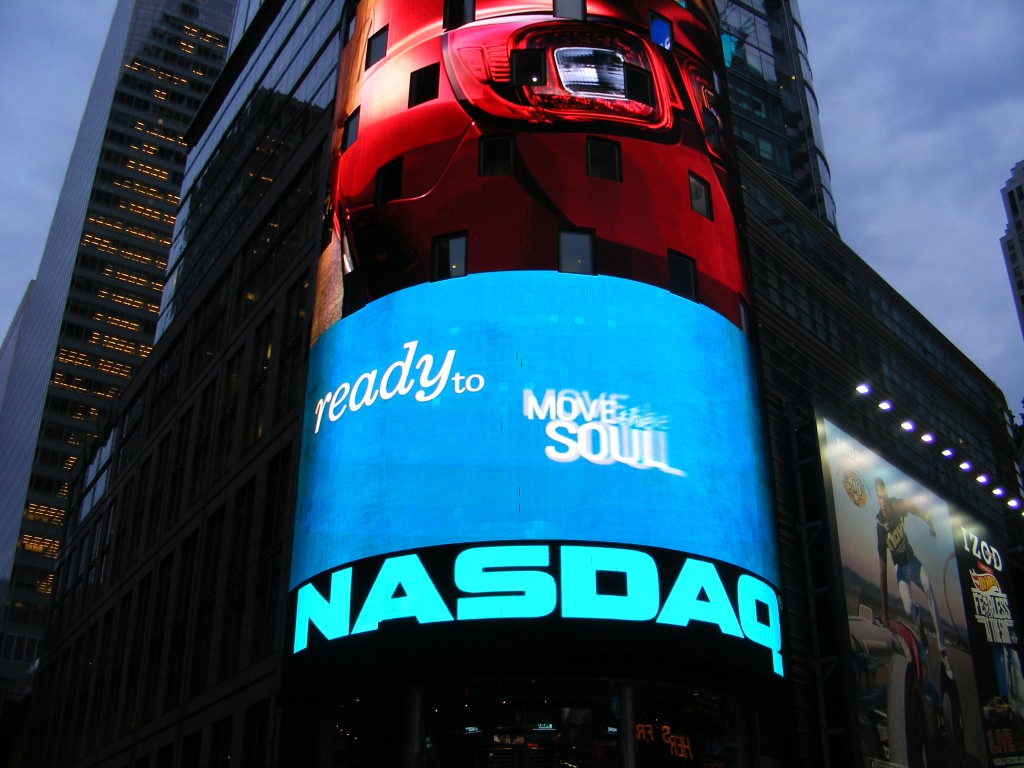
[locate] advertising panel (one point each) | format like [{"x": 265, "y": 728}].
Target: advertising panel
[
  {"x": 495, "y": 135},
  {"x": 530, "y": 399},
  {"x": 592, "y": 425},
  {"x": 930, "y": 627},
  {"x": 995, "y": 638}
]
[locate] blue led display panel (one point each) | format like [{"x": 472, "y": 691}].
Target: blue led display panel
[{"x": 535, "y": 405}]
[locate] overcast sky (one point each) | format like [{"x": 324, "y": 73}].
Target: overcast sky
[{"x": 922, "y": 107}]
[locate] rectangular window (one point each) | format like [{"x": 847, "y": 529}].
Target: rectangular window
[
  {"x": 423, "y": 84},
  {"x": 351, "y": 130},
  {"x": 496, "y": 155},
  {"x": 700, "y": 196},
  {"x": 389, "y": 182},
  {"x": 529, "y": 67},
  {"x": 682, "y": 275},
  {"x": 571, "y": 9},
  {"x": 450, "y": 256},
  {"x": 376, "y": 47},
  {"x": 576, "y": 252},
  {"x": 639, "y": 84},
  {"x": 661, "y": 31},
  {"x": 349, "y": 25},
  {"x": 458, "y": 12},
  {"x": 604, "y": 159}
]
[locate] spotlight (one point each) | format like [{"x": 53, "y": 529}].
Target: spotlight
[
  {"x": 863, "y": 389},
  {"x": 982, "y": 479},
  {"x": 1013, "y": 503},
  {"x": 965, "y": 465},
  {"x": 998, "y": 491},
  {"x": 947, "y": 452},
  {"x": 885, "y": 405},
  {"x": 927, "y": 437},
  {"x": 908, "y": 426}
]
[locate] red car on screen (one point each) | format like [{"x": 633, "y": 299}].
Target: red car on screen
[{"x": 574, "y": 135}]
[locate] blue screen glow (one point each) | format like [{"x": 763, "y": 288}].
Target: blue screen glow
[{"x": 519, "y": 406}]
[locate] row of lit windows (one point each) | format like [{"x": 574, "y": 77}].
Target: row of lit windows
[
  {"x": 42, "y": 545},
  {"x": 44, "y": 513}
]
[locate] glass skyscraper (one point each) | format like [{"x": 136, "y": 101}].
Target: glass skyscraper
[
  {"x": 89, "y": 317},
  {"x": 771, "y": 94}
]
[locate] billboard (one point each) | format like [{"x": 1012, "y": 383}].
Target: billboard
[
  {"x": 494, "y": 135},
  {"x": 530, "y": 403},
  {"x": 588, "y": 420},
  {"x": 932, "y": 638}
]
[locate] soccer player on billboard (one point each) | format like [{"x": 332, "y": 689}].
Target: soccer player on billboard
[{"x": 892, "y": 538}]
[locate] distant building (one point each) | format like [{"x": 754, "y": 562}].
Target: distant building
[
  {"x": 90, "y": 316},
  {"x": 772, "y": 98},
  {"x": 1013, "y": 241}
]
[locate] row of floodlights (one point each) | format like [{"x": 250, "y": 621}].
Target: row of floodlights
[{"x": 927, "y": 437}]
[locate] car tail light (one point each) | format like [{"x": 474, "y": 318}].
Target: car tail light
[
  {"x": 557, "y": 72},
  {"x": 595, "y": 72}
]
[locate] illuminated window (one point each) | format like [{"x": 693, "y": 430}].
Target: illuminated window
[
  {"x": 389, "y": 182},
  {"x": 351, "y": 130},
  {"x": 450, "y": 256},
  {"x": 576, "y": 252},
  {"x": 496, "y": 155},
  {"x": 458, "y": 12},
  {"x": 376, "y": 47},
  {"x": 661, "y": 31},
  {"x": 571, "y": 9},
  {"x": 682, "y": 275},
  {"x": 423, "y": 84},
  {"x": 700, "y": 196},
  {"x": 529, "y": 67},
  {"x": 604, "y": 159}
]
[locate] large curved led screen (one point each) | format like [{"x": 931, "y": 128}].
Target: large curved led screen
[{"x": 538, "y": 406}]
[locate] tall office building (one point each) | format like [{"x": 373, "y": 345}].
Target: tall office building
[
  {"x": 771, "y": 93},
  {"x": 1013, "y": 241},
  {"x": 89, "y": 317},
  {"x": 181, "y": 588}
]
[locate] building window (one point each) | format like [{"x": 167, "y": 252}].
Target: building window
[
  {"x": 682, "y": 275},
  {"x": 604, "y": 159},
  {"x": 529, "y": 67},
  {"x": 661, "y": 31},
  {"x": 458, "y": 12},
  {"x": 639, "y": 84},
  {"x": 449, "y": 256},
  {"x": 496, "y": 155},
  {"x": 349, "y": 25},
  {"x": 576, "y": 252},
  {"x": 389, "y": 182},
  {"x": 351, "y": 130},
  {"x": 571, "y": 9},
  {"x": 376, "y": 47},
  {"x": 423, "y": 84},
  {"x": 700, "y": 196}
]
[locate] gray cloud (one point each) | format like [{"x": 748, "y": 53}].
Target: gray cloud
[{"x": 921, "y": 107}]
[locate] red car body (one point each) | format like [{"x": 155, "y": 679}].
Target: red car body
[{"x": 471, "y": 136}]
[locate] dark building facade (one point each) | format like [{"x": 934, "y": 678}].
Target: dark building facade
[
  {"x": 204, "y": 444},
  {"x": 1013, "y": 202},
  {"x": 202, "y": 615},
  {"x": 90, "y": 316}
]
